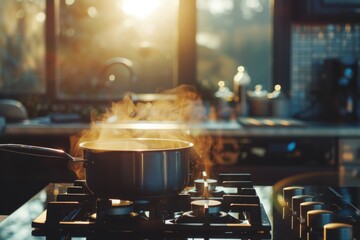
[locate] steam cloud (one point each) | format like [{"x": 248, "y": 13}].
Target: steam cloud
[{"x": 183, "y": 106}]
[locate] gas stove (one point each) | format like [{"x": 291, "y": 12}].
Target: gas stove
[
  {"x": 226, "y": 210},
  {"x": 230, "y": 207}
]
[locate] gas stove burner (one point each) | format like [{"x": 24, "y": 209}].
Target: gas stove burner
[
  {"x": 204, "y": 207},
  {"x": 114, "y": 210},
  {"x": 120, "y": 207},
  {"x": 205, "y": 187},
  {"x": 200, "y": 185},
  {"x": 205, "y": 211},
  {"x": 190, "y": 217}
]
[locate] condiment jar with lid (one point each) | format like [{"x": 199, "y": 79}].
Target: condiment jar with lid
[{"x": 259, "y": 104}]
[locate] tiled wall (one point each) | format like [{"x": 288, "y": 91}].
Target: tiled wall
[{"x": 310, "y": 45}]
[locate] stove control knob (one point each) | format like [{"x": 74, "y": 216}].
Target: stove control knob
[
  {"x": 316, "y": 220},
  {"x": 338, "y": 231},
  {"x": 297, "y": 200},
  {"x": 305, "y": 207},
  {"x": 289, "y": 192},
  {"x": 308, "y": 206}
]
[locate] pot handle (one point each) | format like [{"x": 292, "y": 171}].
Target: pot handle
[{"x": 31, "y": 150}]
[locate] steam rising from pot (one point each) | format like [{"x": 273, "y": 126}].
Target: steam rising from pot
[{"x": 166, "y": 118}]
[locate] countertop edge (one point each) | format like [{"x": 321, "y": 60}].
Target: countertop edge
[{"x": 225, "y": 128}]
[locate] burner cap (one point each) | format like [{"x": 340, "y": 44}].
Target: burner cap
[
  {"x": 120, "y": 207},
  {"x": 199, "y": 184},
  {"x": 205, "y": 206}
]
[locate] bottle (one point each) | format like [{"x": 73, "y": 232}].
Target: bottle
[
  {"x": 224, "y": 97},
  {"x": 241, "y": 82}
]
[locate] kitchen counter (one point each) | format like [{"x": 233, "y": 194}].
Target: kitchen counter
[{"x": 223, "y": 128}]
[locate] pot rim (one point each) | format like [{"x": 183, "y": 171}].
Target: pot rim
[{"x": 105, "y": 145}]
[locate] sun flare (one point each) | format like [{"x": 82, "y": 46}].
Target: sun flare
[{"x": 140, "y": 8}]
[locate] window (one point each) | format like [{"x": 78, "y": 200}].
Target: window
[
  {"x": 100, "y": 50},
  {"x": 98, "y": 40},
  {"x": 231, "y": 33},
  {"x": 22, "y": 51}
]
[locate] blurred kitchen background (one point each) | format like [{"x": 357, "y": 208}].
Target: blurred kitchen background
[
  {"x": 281, "y": 75},
  {"x": 57, "y": 53},
  {"x": 63, "y": 49}
]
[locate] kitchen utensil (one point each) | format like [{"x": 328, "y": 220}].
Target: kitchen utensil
[
  {"x": 126, "y": 168},
  {"x": 259, "y": 103},
  {"x": 13, "y": 110}
]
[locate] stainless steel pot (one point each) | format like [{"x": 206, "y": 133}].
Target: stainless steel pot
[{"x": 127, "y": 168}]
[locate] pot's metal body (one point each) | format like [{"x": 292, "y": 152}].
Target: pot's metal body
[
  {"x": 127, "y": 168},
  {"x": 137, "y": 168},
  {"x": 132, "y": 174}
]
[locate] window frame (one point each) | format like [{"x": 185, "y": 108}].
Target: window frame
[{"x": 185, "y": 70}]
